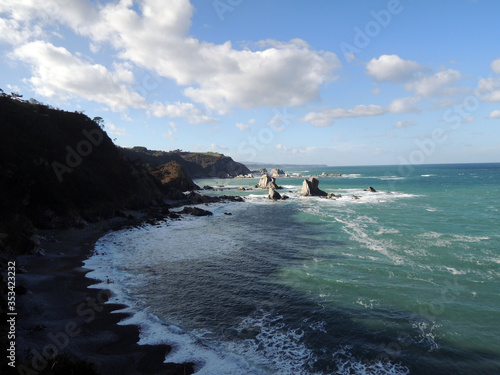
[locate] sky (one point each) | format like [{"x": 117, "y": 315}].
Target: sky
[{"x": 363, "y": 82}]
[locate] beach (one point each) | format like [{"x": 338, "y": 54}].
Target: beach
[{"x": 60, "y": 314}]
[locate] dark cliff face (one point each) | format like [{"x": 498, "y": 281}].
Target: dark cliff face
[{"x": 57, "y": 168}]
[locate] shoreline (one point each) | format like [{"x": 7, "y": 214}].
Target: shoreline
[{"x": 73, "y": 319}]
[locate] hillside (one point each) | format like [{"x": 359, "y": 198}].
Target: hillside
[
  {"x": 195, "y": 164},
  {"x": 60, "y": 168}
]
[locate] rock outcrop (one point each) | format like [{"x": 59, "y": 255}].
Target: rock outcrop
[
  {"x": 274, "y": 195},
  {"x": 372, "y": 190},
  {"x": 172, "y": 176},
  {"x": 276, "y": 172},
  {"x": 267, "y": 182},
  {"x": 195, "y": 211},
  {"x": 310, "y": 188}
]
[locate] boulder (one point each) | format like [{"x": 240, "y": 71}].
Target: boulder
[
  {"x": 283, "y": 197},
  {"x": 372, "y": 190},
  {"x": 207, "y": 187},
  {"x": 267, "y": 182},
  {"x": 310, "y": 188},
  {"x": 274, "y": 195},
  {"x": 241, "y": 188}
]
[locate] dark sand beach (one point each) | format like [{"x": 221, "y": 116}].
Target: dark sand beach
[{"x": 59, "y": 314}]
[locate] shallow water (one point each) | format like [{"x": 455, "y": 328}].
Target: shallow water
[{"x": 404, "y": 280}]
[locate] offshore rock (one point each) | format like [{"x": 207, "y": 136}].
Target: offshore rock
[
  {"x": 267, "y": 182},
  {"x": 274, "y": 195},
  {"x": 310, "y": 188}
]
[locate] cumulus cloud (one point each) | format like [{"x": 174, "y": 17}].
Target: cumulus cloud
[
  {"x": 404, "y": 124},
  {"x": 58, "y": 73},
  {"x": 404, "y": 105},
  {"x": 189, "y": 111},
  {"x": 392, "y": 68},
  {"x": 488, "y": 89},
  {"x": 156, "y": 37},
  {"x": 439, "y": 84},
  {"x": 495, "y": 66},
  {"x": 242, "y": 127},
  {"x": 115, "y": 130},
  {"x": 494, "y": 114}
]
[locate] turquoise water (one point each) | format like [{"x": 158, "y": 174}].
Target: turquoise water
[{"x": 403, "y": 280}]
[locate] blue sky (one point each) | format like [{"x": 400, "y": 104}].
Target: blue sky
[{"x": 326, "y": 82}]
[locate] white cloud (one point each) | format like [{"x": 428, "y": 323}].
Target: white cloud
[
  {"x": 392, "y": 68},
  {"x": 495, "y": 66},
  {"x": 173, "y": 126},
  {"x": 217, "y": 75},
  {"x": 58, "y": 73},
  {"x": 215, "y": 147},
  {"x": 468, "y": 119},
  {"x": 404, "y": 105},
  {"x": 443, "y": 103},
  {"x": 156, "y": 37},
  {"x": 439, "y": 84},
  {"x": 376, "y": 91},
  {"x": 295, "y": 150},
  {"x": 115, "y": 130},
  {"x": 488, "y": 89},
  {"x": 193, "y": 114},
  {"x": 242, "y": 127},
  {"x": 326, "y": 117},
  {"x": 494, "y": 114},
  {"x": 169, "y": 135},
  {"x": 404, "y": 124}
]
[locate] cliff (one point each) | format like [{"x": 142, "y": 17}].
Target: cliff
[
  {"x": 60, "y": 168},
  {"x": 195, "y": 164}
]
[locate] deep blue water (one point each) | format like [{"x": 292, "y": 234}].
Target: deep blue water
[{"x": 403, "y": 280}]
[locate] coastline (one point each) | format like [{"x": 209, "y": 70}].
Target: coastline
[{"x": 73, "y": 319}]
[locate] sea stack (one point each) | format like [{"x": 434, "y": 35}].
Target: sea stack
[
  {"x": 267, "y": 182},
  {"x": 310, "y": 188},
  {"x": 274, "y": 195}
]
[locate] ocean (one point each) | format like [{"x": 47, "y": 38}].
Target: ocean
[{"x": 404, "y": 280}]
